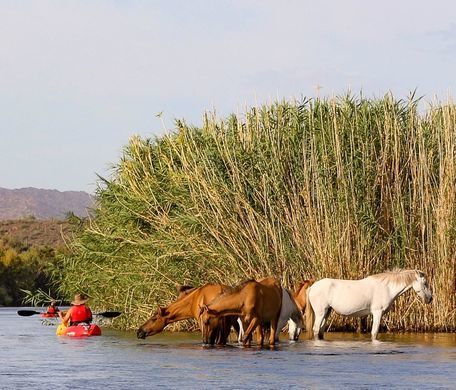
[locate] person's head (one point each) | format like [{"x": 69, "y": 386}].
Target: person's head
[{"x": 79, "y": 299}]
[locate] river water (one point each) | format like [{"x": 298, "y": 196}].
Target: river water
[{"x": 33, "y": 357}]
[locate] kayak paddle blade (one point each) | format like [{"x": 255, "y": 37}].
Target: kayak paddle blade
[
  {"x": 27, "y": 313},
  {"x": 109, "y": 314}
]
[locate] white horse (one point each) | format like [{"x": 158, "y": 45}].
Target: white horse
[{"x": 358, "y": 298}]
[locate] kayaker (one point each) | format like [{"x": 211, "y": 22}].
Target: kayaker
[
  {"x": 78, "y": 313},
  {"x": 52, "y": 308}
]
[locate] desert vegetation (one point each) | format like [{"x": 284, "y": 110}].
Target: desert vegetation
[
  {"x": 28, "y": 257},
  {"x": 341, "y": 187}
]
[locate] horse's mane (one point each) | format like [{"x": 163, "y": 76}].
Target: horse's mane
[
  {"x": 183, "y": 291},
  {"x": 397, "y": 275},
  {"x": 241, "y": 285},
  {"x": 307, "y": 282},
  {"x": 231, "y": 290}
]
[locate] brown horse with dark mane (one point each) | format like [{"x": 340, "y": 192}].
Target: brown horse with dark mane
[
  {"x": 187, "y": 305},
  {"x": 255, "y": 302}
]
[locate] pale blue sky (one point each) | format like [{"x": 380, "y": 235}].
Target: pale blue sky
[{"x": 78, "y": 78}]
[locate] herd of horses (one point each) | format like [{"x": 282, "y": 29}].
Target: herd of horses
[{"x": 253, "y": 304}]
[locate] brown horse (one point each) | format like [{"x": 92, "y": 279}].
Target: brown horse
[
  {"x": 300, "y": 295},
  {"x": 186, "y": 306},
  {"x": 255, "y": 302},
  {"x": 295, "y": 320}
]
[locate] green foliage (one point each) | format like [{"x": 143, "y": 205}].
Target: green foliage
[
  {"x": 38, "y": 298},
  {"x": 340, "y": 188},
  {"x": 23, "y": 267}
]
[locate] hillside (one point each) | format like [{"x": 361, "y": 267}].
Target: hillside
[
  {"x": 31, "y": 232},
  {"x": 42, "y": 204}
]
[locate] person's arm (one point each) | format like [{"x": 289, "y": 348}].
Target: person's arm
[{"x": 65, "y": 319}]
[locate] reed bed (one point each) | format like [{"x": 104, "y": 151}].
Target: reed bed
[{"x": 343, "y": 187}]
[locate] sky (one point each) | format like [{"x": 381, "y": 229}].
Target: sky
[{"x": 79, "y": 78}]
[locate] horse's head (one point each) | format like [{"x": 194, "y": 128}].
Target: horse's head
[
  {"x": 293, "y": 331},
  {"x": 209, "y": 323},
  {"x": 421, "y": 287},
  {"x": 154, "y": 324}
]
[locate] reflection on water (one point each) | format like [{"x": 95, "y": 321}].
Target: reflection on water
[{"x": 31, "y": 356}]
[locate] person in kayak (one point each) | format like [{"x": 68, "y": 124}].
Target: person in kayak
[
  {"x": 52, "y": 308},
  {"x": 79, "y": 312}
]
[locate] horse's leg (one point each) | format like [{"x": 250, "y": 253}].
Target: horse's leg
[
  {"x": 272, "y": 333},
  {"x": 241, "y": 330},
  {"x": 320, "y": 321},
  {"x": 252, "y": 325},
  {"x": 259, "y": 332},
  {"x": 323, "y": 324},
  {"x": 247, "y": 341},
  {"x": 224, "y": 330},
  {"x": 362, "y": 325},
  {"x": 213, "y": 336},
  {"x": 317, "y": 324},
  {"x": 376, "y": 317}
]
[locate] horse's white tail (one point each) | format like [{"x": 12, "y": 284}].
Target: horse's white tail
[{"x": 310, "y": 316}]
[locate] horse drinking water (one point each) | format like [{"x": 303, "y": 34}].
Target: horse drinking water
[
  {"x": 187, "y": 306},
  {"x": 358, "y": 298}
]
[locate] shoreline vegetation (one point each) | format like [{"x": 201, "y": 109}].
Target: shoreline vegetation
[
  {"x": 342, "y": 188},
  {"x": 29, "y": 250}
]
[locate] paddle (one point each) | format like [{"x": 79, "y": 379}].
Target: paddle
[{"x": 107, "y": 314}]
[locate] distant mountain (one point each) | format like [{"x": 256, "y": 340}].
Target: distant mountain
[{"x": 43, "y": 204}]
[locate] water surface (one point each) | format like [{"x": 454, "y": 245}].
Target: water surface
[{"x": 32, "y": 357}]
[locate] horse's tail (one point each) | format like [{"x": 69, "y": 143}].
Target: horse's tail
[{"x": 310, "y": 316}]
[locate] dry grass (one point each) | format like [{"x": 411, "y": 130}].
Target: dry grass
[{"x": 323, "y": 188}]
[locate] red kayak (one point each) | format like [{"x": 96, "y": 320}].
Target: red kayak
[
  {"x": 79, "y": 330},
  {"x": 49, "y": 315}
]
